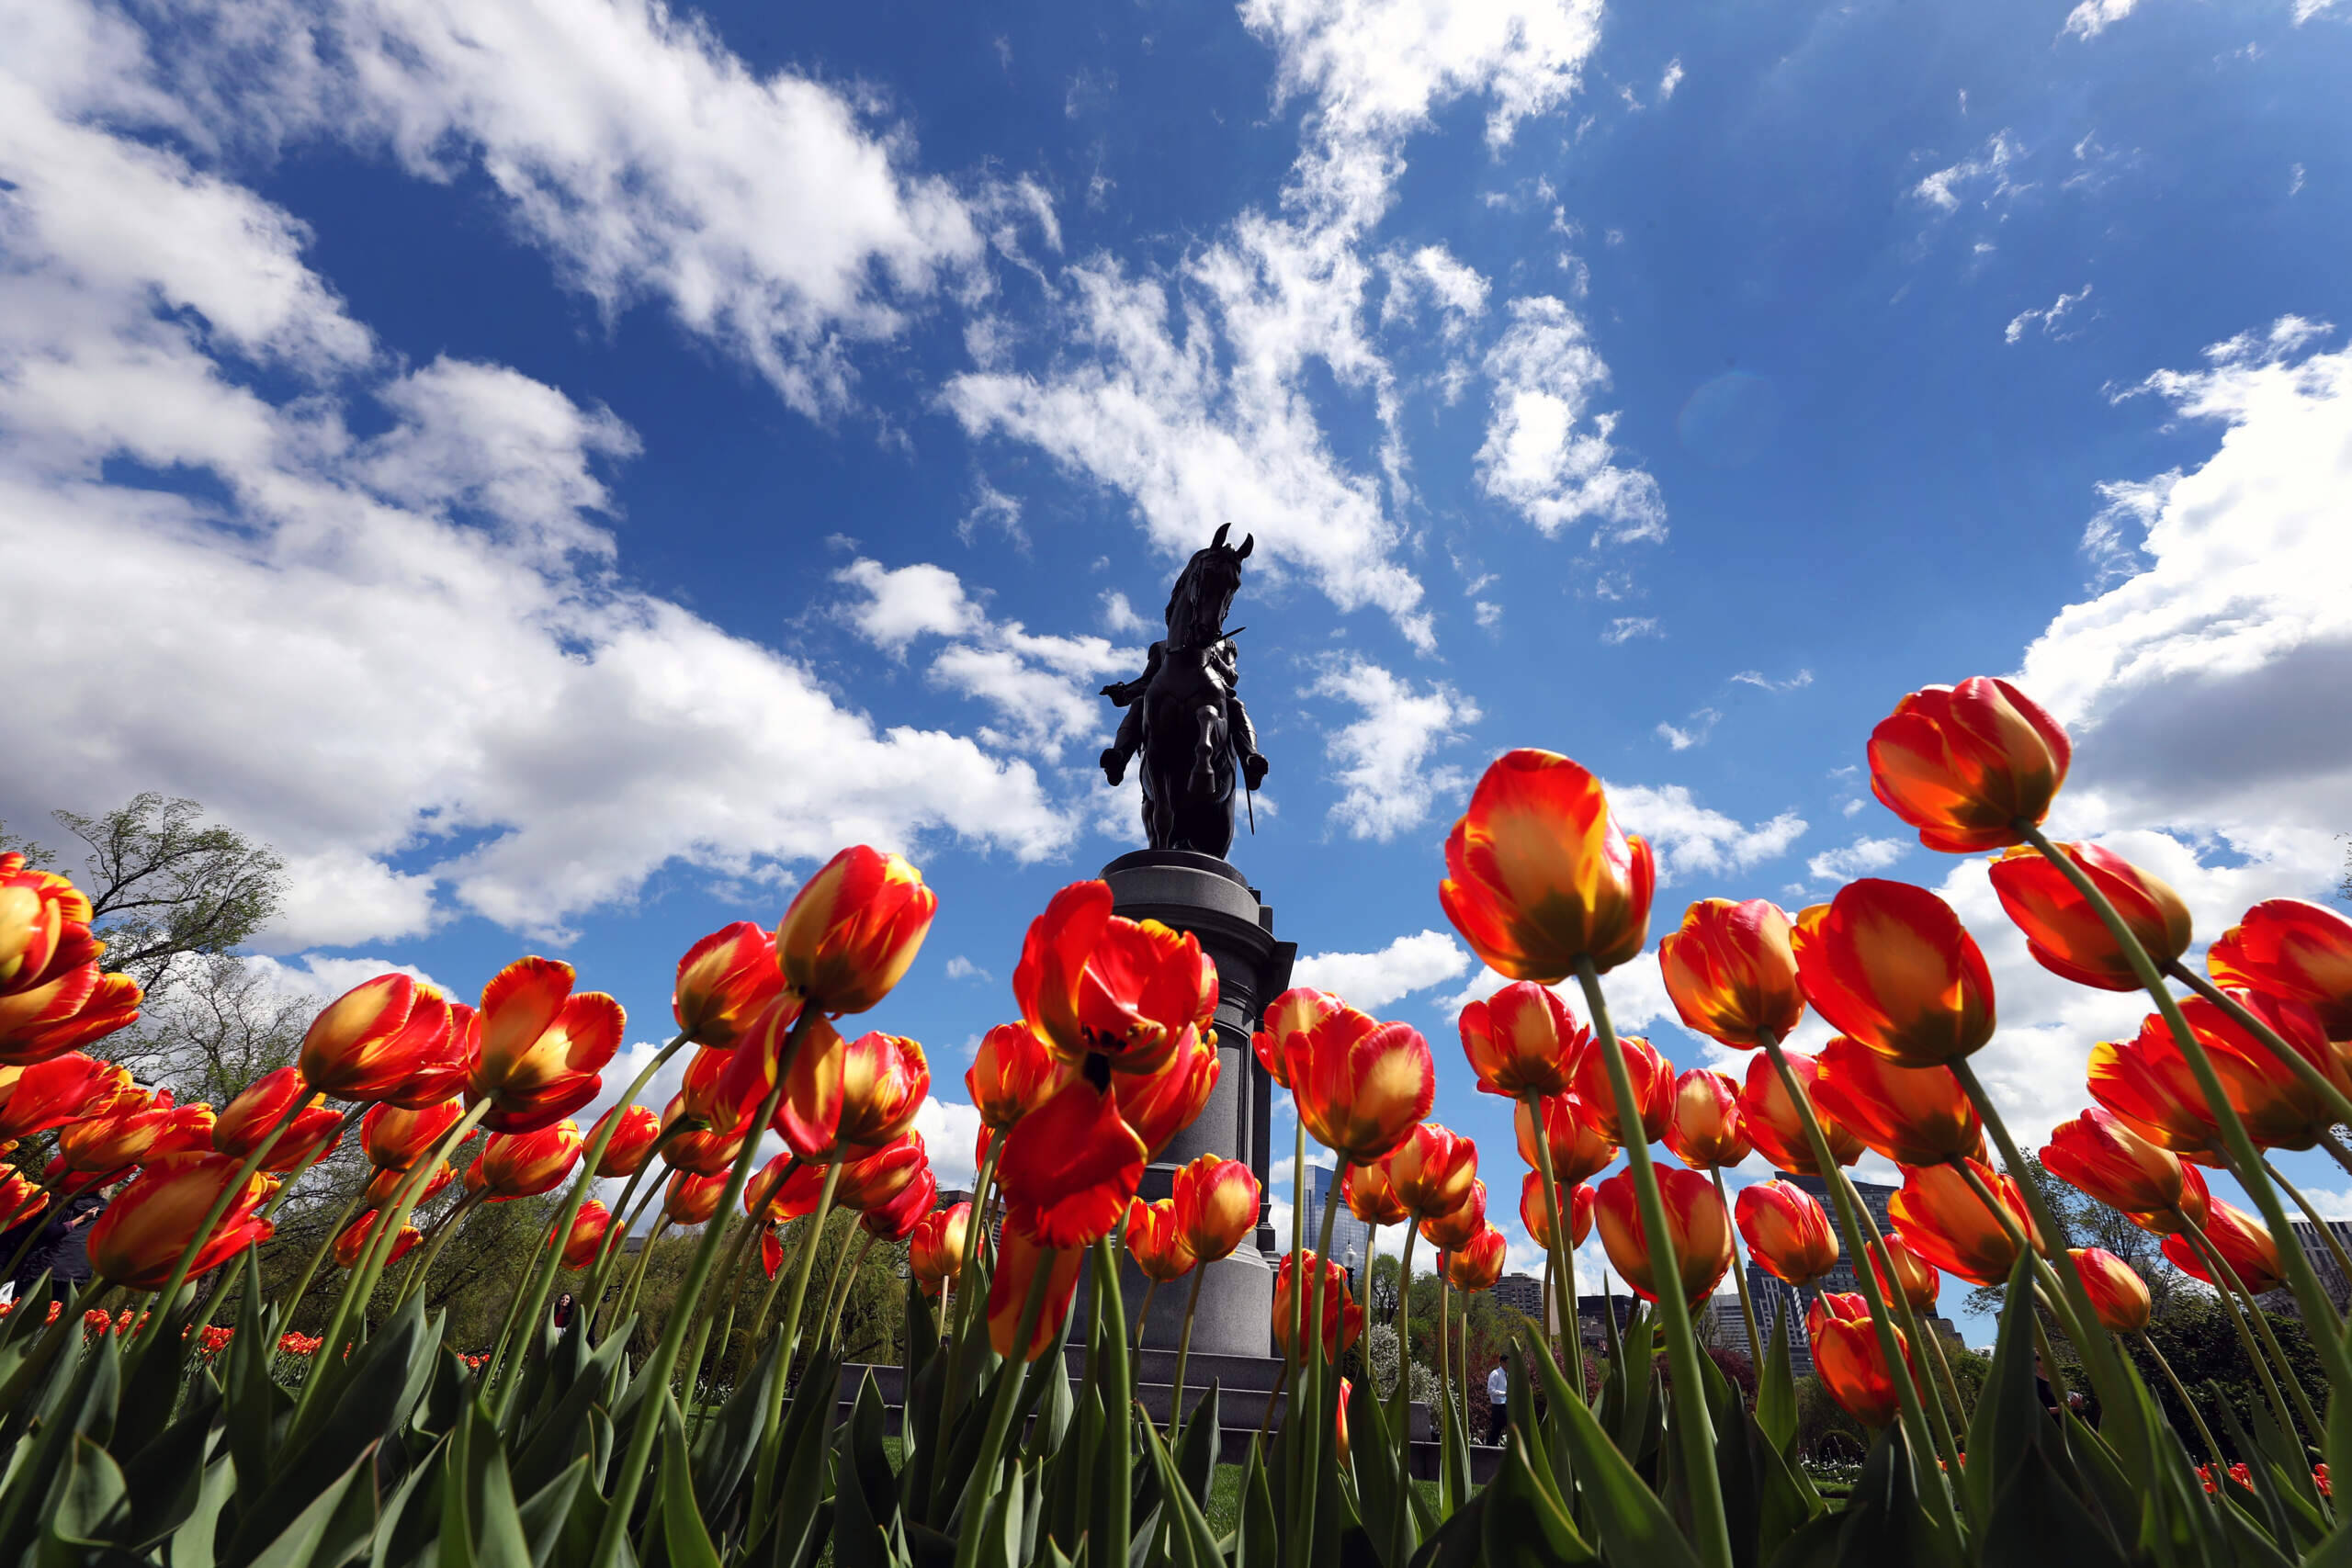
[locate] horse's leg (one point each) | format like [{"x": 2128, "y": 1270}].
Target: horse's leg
[{"x": 1209, "y": 734}]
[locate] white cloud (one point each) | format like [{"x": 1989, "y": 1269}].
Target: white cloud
[
  {"x": 1374, "y": 980},
  {"x": 991, "y": 508},
  {"x": 949, "y": 1129},
  {"x": 514, "y": 731},
  {"x": 2093, "y": 18},
  {"x": 1988, "y": 170},
  {"x": 1691, "y": 840},
  {"x": 2048, "y": 318},
  {"x": 1120, "y": 619},
  {"x": 777, "y": 216},
  {"x": 1547, "y": 452},
  {"x": 1043, "y": 689},
  {"x": 1670, "y": 80},
  {"x": 1188, "y": 393},
  {"x": 1626, "y": 628},
  {"x": 1433, "y": 272},
  {"x": 1701, "y": 724},
  {"x": 1861, "y": 858},
  {"x": 962, "y": 968},
  {"x": 1382, "y": 759},
  {"x": 1758, "y": 678}
]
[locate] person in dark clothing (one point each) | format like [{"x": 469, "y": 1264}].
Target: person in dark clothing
[
  {"x": 564, "y": 1306},
  {"x": 61, "y": 1249}
]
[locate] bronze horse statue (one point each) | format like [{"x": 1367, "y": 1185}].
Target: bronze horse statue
[{"x": 1183, "y": 715}]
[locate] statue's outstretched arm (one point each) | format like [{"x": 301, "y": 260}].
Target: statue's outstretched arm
[{"x": 1123, "y": 693}]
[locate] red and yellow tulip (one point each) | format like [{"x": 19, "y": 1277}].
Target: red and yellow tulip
[
  {"x": 1910, "y": 1115},
  {"x": 138, "y": 1238},
  {"x": 1093, "y": 983},
  {"x": 1360, "y": 1087},
  {"x": 1069, "y": 1168},
  {"x": 1342, "y": 1319},
  {"x": 1022, "y": 1257},
  {"x": 1216, "y": 1205},
  {"x": 1965, "y": 764},
  {"x": 1539, "y": 874},
  {"x": 1914, "y": 1276},
  {"x": 1944, "y": 1221},
  {"x": 1578, "y": 1151},
  {"x": 351, "y": 1242},
  {"x": 1653, "y": 1077},
  {"x": 875, "y": 1181},
  {"x": 1576, "y": 1208},
  {"x": 1731, "y": 973},
  {"x": 48, "y": 1095},
  {"x": 1774, "y": 1126},
  {"x": 2294, "y": 950},
  {"x": 2117, "y": 1292},
  {"x": 524, "y": 1165},
  {"x": 586, "y": 1238},
  {"x": 1159, "y": 1105},
  {"x": 2099, "y": 1153},
  {"x": 1891, "y": 965},
  {"x": 2062, "y": 932},
  {"x": 853, "y": 930},
  {"x": 1455, "y": 1227},
  {"x": 1432, "y": 1171},
  {"x": 1788, "y": 1234},
  {"x": 1477, "y": 1264},
  {"x": 1155, "y": 1243},
  {"x": 255, "y": 1113},
  {"x": 1704, "y": 1129},
  {"x": 690, "y": 1199},
  {"x": 1012, "y": 1074},
  {"x": 2245, "y": 1245},
  {"x": 634, "y": 1130},
  {"x": 1849, "y": 1361},
  {"x": 1523, "y": 1041},
  {"x": 543, "y": 1046},
  {"x": 935, "y": 1250},
  {"x": 1697, "y": 1225},
  {"x": 724, "y": 982},
  {"x": 851, "y": 1095}
]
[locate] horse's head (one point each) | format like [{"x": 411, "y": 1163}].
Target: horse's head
[{"x": 1205, "y": 589}]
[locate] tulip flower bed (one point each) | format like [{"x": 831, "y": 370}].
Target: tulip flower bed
[{"x": 170, "y": 1413}]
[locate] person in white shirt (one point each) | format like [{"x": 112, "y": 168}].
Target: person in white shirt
[{"x": 1498, "y": 1400}]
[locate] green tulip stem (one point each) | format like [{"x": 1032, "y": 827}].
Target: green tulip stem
[
  {"x": 2261, "y": 1320},
  {"x": 286, "y": 1188},
  {"x": 973, "y": 1503},
  {"x": 613, "y": 1536},
  {"x": 361, "y": 1280},
  {"x": 2326, "y": 1232},
  {"x": 1143, "y": 1312},
  {"x": 1314, "y": 1357},
  {"x": 2204, "y": 1433},
  {"x": 627, "y": 1298},
  {"x": 1184, "y": 1351},
  {"x": 616, "y": 1248},
  {"x": 624, "y": 1221},
  {"x": 1940, "y": 1423},
  {"x": 1448, "y": 1424},
  {"x": 960, "y": 1324},
  {"x": 443, "y": 1229},
  {"x": 2245, "y": 1161},
  {"x": 2339, "y": 1105},
  {"x": 293, "y": 1298},
  {"x": 1563, "y": 1272},
  {"x": 1908, "y": 1404},
  {"x": 170, "y": 1294},
  {"x": 841, "y": 1302},
  {"x": 834, "y": 1282},
  {"x": 772, "y": 1428},
  {"x": 543, "y": 1276},
  {"x": 1401, "y": 1396},
  {"x": 1738, "y": 1276},
  {"x": 1693, "y": 1428}
]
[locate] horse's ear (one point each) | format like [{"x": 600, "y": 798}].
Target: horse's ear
[
  {"x": 1247, "y": 542},
  {"x": 1221, "y": 530}
]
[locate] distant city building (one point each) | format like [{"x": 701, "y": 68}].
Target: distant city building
[
  {"x": 1775, "y": 1298},
  {"x": 1351, "y": 1237},
  {"x": 2322, "y": 1258},
  {"x": 1521, "y": 1292}
]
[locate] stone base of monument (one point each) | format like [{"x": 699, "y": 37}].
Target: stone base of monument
[{"x": 1244, "y": 1384}]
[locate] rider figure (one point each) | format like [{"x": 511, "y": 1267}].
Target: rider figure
[{"x": 1128, "y": 695}]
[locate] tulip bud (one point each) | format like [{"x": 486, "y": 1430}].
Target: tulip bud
[
  {"x": 1539, "y": 874},
  {"x": 49, "y": 1094},
  {"x": 2098, "y": 1153},
  {"x": 1161, "y": 1105},
  {"x": 543, "y": 1046},
  {"x": 1216, "y": 1205},
  {"x": 1788, "y": 1234},
  {"x": 1966, "y": 764},
  {"x": 637, "y": 1129},
  {"x": 1576, "y": 1208},
  {"x": 586, "y": 1238},
  {"x": 1703, "y": 1128},
  {"x": 895, "y": 1220},
  {"x": 1456, "y": 1226},
  {"x": 1910, "y": 1115},
  {"x": 1365, "y": 1189},
  {"x": 1731, "y": 973},
  {"x": 1851, "y": 1364},
  {"x": 1891, "y": 964},
  {"x": 1475, "y": 1265},
  {"x": 684, "y": 1148},
  {"x": 2293, "y": 950},
  {"x": 351, "y": 1242},
  {"x": 1523, "y": 1041},
  {"x": 853, "y": 930},
  {"x": 1774, "y": 1125},
  {"x": 138, "y": 1237},
  {"x": 935, "y": 1250},
  {"x": 384, "y": 1188},
  {"x": 1154, "y": 1242},
  {"x": 1360, "y": 1086},
  {"x": 725, "y": 980},
  {"x": 255, "y": 1114},
  {"x": 1578, "y": 1152},
  {"x": 1011, "y": 1074},
  {"x": 853, "y": 1095},
  {"x": 356, "y": 1047},
  {"x": 1342, "y": 1319},
  {"x": 1092, "y": 983},
  {"x": 78, "y": 1008},
  {"x": 1300, "y": 1011},
  {"x": 1020, "y": 1258},
  {"x": 20, "y": 1199},
  {"x": 1653, "y": 1079},
  {"x": 784, "y": 1189},
  {"x": 2068, "y": 936},
  {"x": 44, "y": 927},
  {"x": 873, "y": 1180},
  {"x": 2117, "y": 1292},
  {"x": 1914, "y": 1276},
  {"x": 690, "y": 1200},
  {"x": 1432, "y": 1171},
  {"x": 524, "y": 1165},
  {"x": 1701, "y": 1231},
  {"x": 135, "y": 1129},
  {"x": 1944, "y": 1221},
  {"x": 2244, "y": 1244}
]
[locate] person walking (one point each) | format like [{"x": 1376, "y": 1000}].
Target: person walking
[{"x": 1498, "y": 1400}]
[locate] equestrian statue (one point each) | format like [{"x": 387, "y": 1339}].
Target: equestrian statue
[{"x": 1181, "y": 715}]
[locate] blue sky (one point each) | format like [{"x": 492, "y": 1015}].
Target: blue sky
[{"x": 559, "y": 471}]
